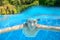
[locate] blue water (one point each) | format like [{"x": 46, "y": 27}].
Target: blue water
[{"x": 48, "y": 16}]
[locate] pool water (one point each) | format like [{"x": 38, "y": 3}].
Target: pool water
[{"x": 48, "y": 16}]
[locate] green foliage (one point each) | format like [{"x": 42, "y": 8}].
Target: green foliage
[
  {"x": 15, "y": 6},
  {"x": 47, "y": 2},
  {"x": 27, "y": 1},
  {"x": 1, "y": 2},
  {"x": 57, "y": 3}
]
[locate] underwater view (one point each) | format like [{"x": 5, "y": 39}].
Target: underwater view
[{"x": 29, "y": 20}]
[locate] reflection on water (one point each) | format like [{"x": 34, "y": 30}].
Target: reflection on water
[{"x": 49, "y": 20}]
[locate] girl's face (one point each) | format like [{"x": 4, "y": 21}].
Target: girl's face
[{"x": 32, "y": 22}]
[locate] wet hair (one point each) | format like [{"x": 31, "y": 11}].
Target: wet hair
[{"x": 38, "y": 19}]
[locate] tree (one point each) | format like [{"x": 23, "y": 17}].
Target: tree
[
  {"x": 57, "y": 3},
  {"x": 41, "y": 2},
  {"x": 27, "y": 1},
  {"x": 1, "y": 2},
  {"x": 47, "y": 2}
]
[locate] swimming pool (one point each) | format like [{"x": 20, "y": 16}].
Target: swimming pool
[{"x": 47, "y": 15}]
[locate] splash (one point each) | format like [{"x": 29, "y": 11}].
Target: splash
[{"x": 30, "y": 33}]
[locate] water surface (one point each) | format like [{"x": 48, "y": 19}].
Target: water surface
[{"x": 47, "y": 15}]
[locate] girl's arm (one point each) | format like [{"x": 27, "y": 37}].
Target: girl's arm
[
  {"x": 11, "y": 28},
  {"x": 51, "y": 28}
]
